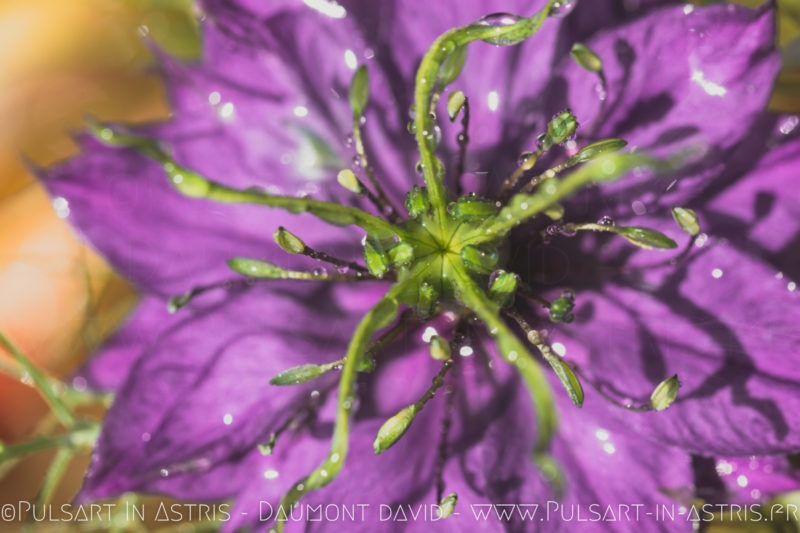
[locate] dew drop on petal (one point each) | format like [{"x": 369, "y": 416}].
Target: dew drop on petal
[
  {"x": 562, "y": 8},
  {"x": 465, "y": 351},
  {"x": 789, "y": 124},
  {"x": 717, "y": 273},
  {"x": 271, "y": 474}
]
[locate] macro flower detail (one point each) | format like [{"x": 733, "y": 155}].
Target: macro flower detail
[{"x": 440, "y": 258}]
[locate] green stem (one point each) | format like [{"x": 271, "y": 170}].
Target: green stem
[
  {"x": 194, "y": 185},
  {"x": 512, "y": 351},
  {"x": 523, "y": 207},
  {"x": 377, "y": 317},
  {"x": 381, "y": 201},
  {"x": 425, "y": 86},
  {"x": 16, "y": 451},
  {"x": 42, "y": 383},
  {"x": 54, "y": 475}
]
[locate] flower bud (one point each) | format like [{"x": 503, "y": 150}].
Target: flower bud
[
  {"x": 447, "y": 505},
  {"x": 288, "y": 241},
  {"x": 298, "y": 374},
  {"x": 561, "y": 128},
  {"x": 349, "y": 181},
  {"x": 440, "y": 348},
  {"x": 687, "y": 220},
  {"x": 646, "y": 238},
  {"x": 593, "y": 150},
  {"x": 359, "y": 91},
  {"x": 455, "y": 102},
  {"x": 586, "y": 57},
  {"x": 255, "y": 268},
  {"x": 393, "y": 429},
  {"x": 561, "y": 308},
  {"x": 665, "y": 393}
]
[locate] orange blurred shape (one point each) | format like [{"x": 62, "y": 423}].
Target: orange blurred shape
[{"x": 59, "y": 61}]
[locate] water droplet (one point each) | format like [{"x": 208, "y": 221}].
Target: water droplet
[
  {"x": 146, "y": 437},
  {"x": 411, "y": 127},
  {"x": 420, "y": 168},
  {"x": 525, "y": 157},
  {"x": 164, "y": 472},
  {"x": 499, "y": 21},
  {"x": 789, "y": 124},
  {"x": 742, "y": 481},
  {"x": 348, "y": 141},
  {"x": 606, "y": 221},
  {"x": 562, "y": 8},
  {"x": 342, "y": 269},
  {"x": 362, "y": 120},
  {"x": 271, "y": 474},
  {"x": 356, "y": 161},
  {"x": 465, "y": 351},
  {"x": 61, "y": 207},
  {"x": 717, "y": 273},
  {"x": 688, "y": 9},
  {"x": 540, "y": 140},
  {"x": 319, "y": 272},
  {"x": 638, "y": 207}
]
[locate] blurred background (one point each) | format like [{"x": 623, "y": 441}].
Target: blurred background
[{"x": 59, "y": 61}]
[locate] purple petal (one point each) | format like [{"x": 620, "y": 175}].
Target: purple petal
[
  {"x": 740, "y": 391},
  {"x": 200, "y": 395}
]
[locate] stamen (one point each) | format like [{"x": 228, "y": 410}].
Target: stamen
[
  {"x": 523, "y": 207},
  {"x": 178, "y": 302},
  {"x": 564, "y": 372},
  {"x": 304, "y": 414},
  {"x": 359, "y": 96},
  {"x": 256, "y": 268},
  {"x": 589, "y": 60},
  {"x": 395, "y": 427},
  {"x": 444, "y": 432},
  {"x": 304, "y": 373},
  {"x": 587, "y": 153},
  {"x": 292, "y": 244},
  {"x": 662, "y": 396},
  {"x": 642, "y": 237}
]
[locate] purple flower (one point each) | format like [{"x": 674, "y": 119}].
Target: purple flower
[{"x": 271, "y": 107}]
